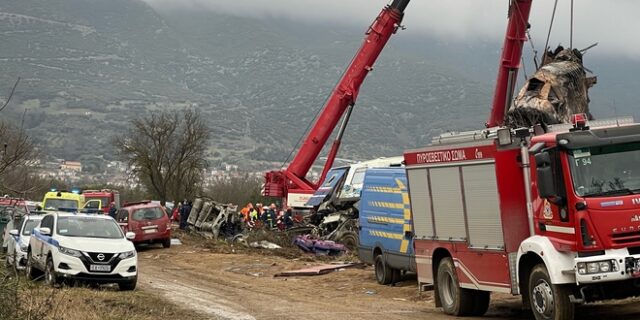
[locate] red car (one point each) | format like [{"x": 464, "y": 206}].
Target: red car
[{"x": 147, "y": 220}]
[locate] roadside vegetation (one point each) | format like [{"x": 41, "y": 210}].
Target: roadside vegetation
[{"x": 23, "y": 299}]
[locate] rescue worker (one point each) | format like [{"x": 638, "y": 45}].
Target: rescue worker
[
  {"x": 112, "y": 210},
  {"x": 245, "y": 211},
  {"x": 253, "y": 214},
  {"x": 175, "y": 214},
  {"x": 288, "y": 218},
  {"x": 269, "y": 216},
  {"x": 184, "y": 215}
]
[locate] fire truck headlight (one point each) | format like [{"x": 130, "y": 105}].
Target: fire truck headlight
[
  {"x": 582, "y": 268},
  {"x": 597, "y": 267},
  {"x": 593, "y": 267},
  {"x": 605, "y": 266}
]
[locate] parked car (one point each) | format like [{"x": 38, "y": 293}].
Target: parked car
[
  {"x": 18, "y": 241},
  {"x": 11, "y": 212},
  {"x": 147, "y": 220},
  {"x": 82, "y": 247}
]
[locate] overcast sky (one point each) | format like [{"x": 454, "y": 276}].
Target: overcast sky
[{"x": 613, "y": 24}]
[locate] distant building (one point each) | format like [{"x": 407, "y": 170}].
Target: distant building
[{"x": 71, "y": 166}]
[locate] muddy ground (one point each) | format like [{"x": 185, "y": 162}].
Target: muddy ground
[{"x": 241, "y": 285}]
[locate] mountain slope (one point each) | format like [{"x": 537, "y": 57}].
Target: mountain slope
[{"x": 89, "y": 66}]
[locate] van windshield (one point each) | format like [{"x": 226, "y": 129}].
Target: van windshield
[
  {"x": 88, "y": 227},
  {"x": 60, "y": 204}
]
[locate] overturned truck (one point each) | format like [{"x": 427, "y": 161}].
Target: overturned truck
[{"x": 214, "y": 219}]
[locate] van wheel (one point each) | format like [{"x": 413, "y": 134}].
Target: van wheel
[
  {"x": 128, "y": 286},
  {"x": 31, "y": 272},
  {"x": 166, "y": 243},
  {"x": 384, "y": 274},
  {"x": 50, "y": 277},
  {"x": 548, "y": 301},
  {"x": 455, "y": 300}
]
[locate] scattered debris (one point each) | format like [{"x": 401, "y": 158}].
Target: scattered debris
[
  {"x": 176, "y": 242},
  {"x": 320, "y": 247},
  {"x": 370, "y": 292},
  {"x": 265, "y": 245},
  {"x": 318, "y": 270}
]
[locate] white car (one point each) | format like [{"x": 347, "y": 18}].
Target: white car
[
  {"x": 82, "y": 247},
  {"x": 18, "y": 241}
]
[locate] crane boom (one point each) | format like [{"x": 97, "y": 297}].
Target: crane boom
[
  {"x": 293, "y": 178},
  {"x": 510, "y": 61}
]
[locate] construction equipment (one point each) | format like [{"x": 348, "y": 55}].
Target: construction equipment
[{"x": 291, "y": 183}]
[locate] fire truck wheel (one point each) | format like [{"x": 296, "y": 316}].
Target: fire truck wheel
[
  {"x": 384, "y": 274},
  {"x": 481, "y": 302},
  {"x": 455, "y": 300},
  {"x": 548, "y": 301}
]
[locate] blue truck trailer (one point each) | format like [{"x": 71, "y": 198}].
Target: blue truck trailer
[{"x": 386, "y": 232}]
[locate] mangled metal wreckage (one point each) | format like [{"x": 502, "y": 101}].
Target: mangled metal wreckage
[
  {"x": 214, "y": 219},
  {"x": 558, "y": 90}
]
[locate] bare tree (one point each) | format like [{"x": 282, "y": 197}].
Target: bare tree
[
  {"x": 166, "y": 152},
  {"x": 16, "y": 149}
]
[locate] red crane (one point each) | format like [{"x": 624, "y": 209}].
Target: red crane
[
  {"x": 510, "y": 61},
  {"x": 292, "y": 182}
]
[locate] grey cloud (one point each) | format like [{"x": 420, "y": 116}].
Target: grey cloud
[{"x": 611, "y": 23}]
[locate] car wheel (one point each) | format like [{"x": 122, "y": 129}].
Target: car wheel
[
  {"x": 166, "y": 243},
  {"x": 30, "y": 271},
  {"x": 50, "y": 276},
  {"x": 384, "y": 274},
  {"x": 128, "y": 286}
]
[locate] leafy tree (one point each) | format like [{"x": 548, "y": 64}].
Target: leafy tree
[{"x": 166, "y": 152}]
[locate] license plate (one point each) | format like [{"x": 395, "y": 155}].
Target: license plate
[
  {"x": 100, "y": 268},
  {"x": 150, "y": 230}
]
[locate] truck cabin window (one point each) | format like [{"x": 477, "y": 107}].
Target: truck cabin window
[{"x": 606, "y": 171}]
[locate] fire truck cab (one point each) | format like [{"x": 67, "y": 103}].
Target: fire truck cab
[
  {"x": 552, "y": 215},
  {"x": 105, "y": 198}
]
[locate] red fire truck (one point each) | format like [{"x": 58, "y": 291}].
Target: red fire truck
[
  {"x": 550, "y": 213},
  {"x": 564, "y": 229},
  {"x": 106, "y": 197}
]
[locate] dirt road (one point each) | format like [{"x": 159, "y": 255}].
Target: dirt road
[{"x": 242, "y": 286}]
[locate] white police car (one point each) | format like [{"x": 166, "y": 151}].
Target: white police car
[
  {"x": 83, "y": 247},
  {"x": 18, "y": 241}
]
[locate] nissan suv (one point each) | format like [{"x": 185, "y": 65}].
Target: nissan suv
[{"x": 82, "y": 247}]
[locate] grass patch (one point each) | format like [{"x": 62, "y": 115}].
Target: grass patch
[{"x": 23, "y": 299}]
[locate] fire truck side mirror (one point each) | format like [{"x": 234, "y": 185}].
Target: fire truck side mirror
[{"x": 546, "y": 184}]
